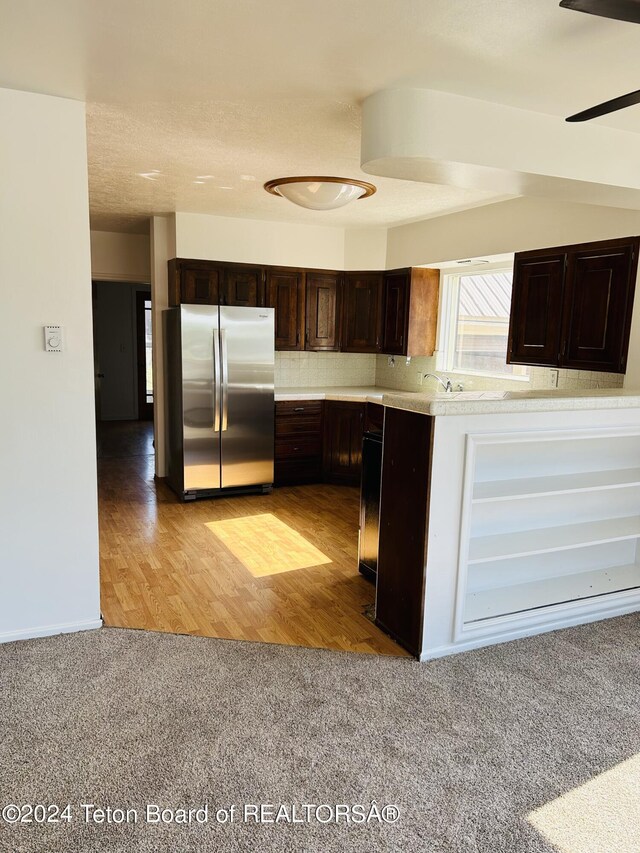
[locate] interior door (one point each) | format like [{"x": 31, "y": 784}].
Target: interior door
[{"x": 248, "y": 411}]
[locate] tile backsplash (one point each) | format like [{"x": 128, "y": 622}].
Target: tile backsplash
[
  {"x": 310, "y": 369},
  {"x": 404, "y": 377}
]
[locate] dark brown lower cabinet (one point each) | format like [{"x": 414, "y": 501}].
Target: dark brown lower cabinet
[
  {"x": 404, "y": 508},
  {"x": 342, "y": 445},
  {"x": 298, "y": 450}
]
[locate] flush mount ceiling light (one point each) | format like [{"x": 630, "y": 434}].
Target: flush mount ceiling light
[{"x": 320, "y": 193}]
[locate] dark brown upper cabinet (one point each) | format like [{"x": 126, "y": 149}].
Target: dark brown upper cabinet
[
  {"x": 323, "y": 304},
  {"x": 598, "y": 303},
  {"x": 410, "y": 312},
  {"x": 243, "y": 286},
  {"x": 571, "y": 306},
  {"x": 285, "y": 293},
  {"x": 536, "y": 309},
  {"x": 361, "y": 313},
  {"x": 194, "y": 285}
]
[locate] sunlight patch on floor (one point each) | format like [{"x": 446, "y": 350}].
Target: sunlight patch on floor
[
  {"x": 265, "y": 545},
  {"x": 601, "y": 816}
]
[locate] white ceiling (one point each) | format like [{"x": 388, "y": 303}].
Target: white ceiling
[{"x": 237, "y": 87}]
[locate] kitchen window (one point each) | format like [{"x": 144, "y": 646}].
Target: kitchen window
[{"x": 474, "y": 324}]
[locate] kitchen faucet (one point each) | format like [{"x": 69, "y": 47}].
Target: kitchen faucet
[{"x": 448, "y": 387}]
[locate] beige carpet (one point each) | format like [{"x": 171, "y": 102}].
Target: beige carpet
[{"x": 529, "y": 747}]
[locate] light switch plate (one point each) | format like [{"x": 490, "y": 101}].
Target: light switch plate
[
  {"x": 553, "y": 378},
  {"x": 53, "y": 338}
]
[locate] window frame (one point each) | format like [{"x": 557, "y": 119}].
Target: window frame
[{"x": 448, "y": 322}]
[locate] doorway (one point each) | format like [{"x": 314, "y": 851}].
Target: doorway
[{"x": 122, "y": 340}]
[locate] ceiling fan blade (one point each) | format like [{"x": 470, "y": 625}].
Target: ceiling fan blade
[
  {"x": 620, "y": 10},
  {"x": 607, "y": 107}
]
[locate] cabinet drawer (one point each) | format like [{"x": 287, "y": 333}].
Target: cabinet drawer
[
  {"x": 292, "y": 447},
  {"x": 302, "y": 425},
  {"x": 299, "y": 407}
]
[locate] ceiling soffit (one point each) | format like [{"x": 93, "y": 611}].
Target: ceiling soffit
[{"x": 437, "y": 137}]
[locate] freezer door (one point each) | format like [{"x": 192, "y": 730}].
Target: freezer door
[
  {"x": 247, "y": 417},
  {"x": 201, "y": 396}
]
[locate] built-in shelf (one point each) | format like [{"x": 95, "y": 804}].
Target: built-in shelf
[
  {"x": 517, "y": 598},
  {"x": 545, "y": 530},
  {"x": 559, "y": 484},
  {"x": 502, "y": 546}
]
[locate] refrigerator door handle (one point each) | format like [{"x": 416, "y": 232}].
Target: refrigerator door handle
[
  {"x": 225, "y": 378},
  {"x": 216, "y": 381}
]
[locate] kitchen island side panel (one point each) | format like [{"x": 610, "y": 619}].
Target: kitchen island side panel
[{"x": 404, "y": 502}]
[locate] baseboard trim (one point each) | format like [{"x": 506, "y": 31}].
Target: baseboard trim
[
  {"x": 622, "y": 608},
  {"x": 50, "y": 630}
]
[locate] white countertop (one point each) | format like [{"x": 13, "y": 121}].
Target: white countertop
[
  {"x": 498, "y": 402},
  {"x": 470, "y": 402},
  {"x": 345, "y": 394}
]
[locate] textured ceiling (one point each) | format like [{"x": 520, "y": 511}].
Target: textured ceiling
[
  {"x": 235, "y": 87},
  {"x": 231, "y": 149}
]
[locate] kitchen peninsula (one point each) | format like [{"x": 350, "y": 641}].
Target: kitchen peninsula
[{"x": 506, "y": 514}]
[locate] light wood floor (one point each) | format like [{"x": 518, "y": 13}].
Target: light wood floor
[{"x": 165, "y": 565}]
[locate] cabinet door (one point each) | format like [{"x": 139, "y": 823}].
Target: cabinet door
[
  {"x": 243, "y": 287},
  {"x": 285, "y": 293},
  {"x": 362, "y": 310},
  {"x": 323, "y": 312},
  {"x": 395, "y": 312},
  {"x": 536, "y": 308},
  {"x": 200, "y": 286},
  {"x": 597, "y": 309},
  {"x": 342, "y": 446}
]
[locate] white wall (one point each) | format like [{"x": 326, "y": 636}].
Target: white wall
[
  {"x": 120, "y": 257},
  {"x": 221, "y": 238},
  {"x": 365, "y": 249},
  {"x": 48, "y": 509},
  {"x": 508, "y": 226}
]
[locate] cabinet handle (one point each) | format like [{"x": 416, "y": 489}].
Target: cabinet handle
[{"x": 299, "y": 409}]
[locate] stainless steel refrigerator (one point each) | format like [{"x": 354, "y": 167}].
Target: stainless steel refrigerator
[{"x": 219, "y": 404}]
